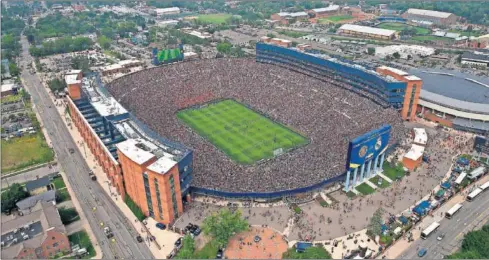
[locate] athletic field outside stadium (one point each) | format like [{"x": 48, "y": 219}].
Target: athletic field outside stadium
[
  {"x": 170, "y": 54},
  {"x": 241, "y": 133}
]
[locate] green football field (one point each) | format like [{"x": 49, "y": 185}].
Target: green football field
[{"x": 241, "y": 133}]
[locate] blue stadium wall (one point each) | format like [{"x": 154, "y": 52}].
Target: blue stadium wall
[{"x": 392, "y": 93}]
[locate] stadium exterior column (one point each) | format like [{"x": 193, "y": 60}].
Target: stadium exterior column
[
  {"x": 347, "y": 181},
  {"x": 362, "y": 171},
  {"x": 368, "y": 168},
  {"x": 375, "y": 165},
  {"x": 382, "y": 161},
  {"x": 354, "y": 177}
]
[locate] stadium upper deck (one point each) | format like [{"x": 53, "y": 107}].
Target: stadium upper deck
[{"x": 384, "y": 90}]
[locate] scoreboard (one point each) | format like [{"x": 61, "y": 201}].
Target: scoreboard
[{"x": 368, "y": 146}]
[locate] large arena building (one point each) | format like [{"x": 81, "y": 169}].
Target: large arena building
[
  {"x": 273, "y": 127},
  {"x": 454, "y": 99}
]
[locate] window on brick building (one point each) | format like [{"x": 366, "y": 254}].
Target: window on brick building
[{"x": 53, "y": 238}]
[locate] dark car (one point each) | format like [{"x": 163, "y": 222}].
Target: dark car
[
  {"x": 220, "y": 254},
  {"x": 178, "y": 243},
  {"x": 71, "y": 150},
  {"x": 196, "y": 231},
  {"x": 139, "y": 239},
  {"x": 160, "y": 226}
]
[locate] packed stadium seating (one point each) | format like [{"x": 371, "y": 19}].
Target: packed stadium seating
[{"x": 325, "y": 111}]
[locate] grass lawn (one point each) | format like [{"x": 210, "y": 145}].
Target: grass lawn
[
  {"x": 81, "y": 238},
  {"x": 393, "y": 172},
  {"x": 322, "y": 202},
  {"x": 400, "y": 26},
  {"x": 464, "y": 33},
  {"x": 314, "y": 252},
  {"x": 134, "y": 208},
  {"x": 241, "y": 133},
  {"x": 59, "y": 183},
  {"x": 209, "y": 251},
  {"x": 351, "y": 194},
  {"x": 365, "y": 189},
  {"x": 213, "y": 18},
  {"x": 22, "y": 152},
  {"x": 375, "y": 180},
  {"x": 11, "y": 98},
  {"x": 335, "y": 18},
  {"x": 294, "y": 34},
  {"x": 431, "y": 38}
]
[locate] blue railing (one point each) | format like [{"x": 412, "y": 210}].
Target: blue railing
[{"x": 266, "y": 195}]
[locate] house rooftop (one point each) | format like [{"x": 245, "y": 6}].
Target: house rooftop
[
  {"x": 41, "y": 182},
  {"x": 31, "y": 201}
]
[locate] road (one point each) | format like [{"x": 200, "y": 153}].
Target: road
[
  {"x": 96, "y": 204},
  {"x": 470, "y": 217},
  {"x": 28, "y": 175}
]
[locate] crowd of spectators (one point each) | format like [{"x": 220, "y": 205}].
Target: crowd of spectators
[{"x": 330, "y": 116}]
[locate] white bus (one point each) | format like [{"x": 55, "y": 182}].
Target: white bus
[
  {"x": 474, "y": 194},
  {"x": 453, "y": 210},
  {"x": 476, "y": 173},
  {"x": 460, "y": 178},
  {"x": 430, "y": 229},
  {"x": 484, "y": 186}
]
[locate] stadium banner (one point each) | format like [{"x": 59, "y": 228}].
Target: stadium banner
[
  {"x": 366, "y": 147},
  {"x": 481, "y": 145}
]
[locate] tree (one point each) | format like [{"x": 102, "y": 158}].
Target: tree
[
  {"x": 80, "y": 63},
  {"x": 188, "y": 248},
  {"x": 57, "y": 85},
  {"x": 474, "y": 246},
  {"x": 371, "y": 51},
  {"x": 14, "y": 194},
  {"x": 104, "y": 42},
  {"x": 271, "y": 35},
  {"x": 396, "y": 55},
  {"x": 224, "y": 224},
  {"x": 224, "y": 47},
  {"x": 375, "y": 225},
  {"x": 14, "y": 70}
]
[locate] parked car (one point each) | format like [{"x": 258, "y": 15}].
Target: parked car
[
  {"x": 161, "y": 226},
  {"x": 178, "y": 243},
  {"x": 440, "y": 237},
  {"x": 139, "y": 239},
  {"x": 422, "y": 252},
  {"x": 220, "y": 254}
]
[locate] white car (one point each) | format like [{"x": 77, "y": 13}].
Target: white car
[{"x": 440, "y": 237}]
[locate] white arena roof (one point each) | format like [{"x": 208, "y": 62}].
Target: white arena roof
[
  {"x": 367, "y": 29},
  {"x": 431, "y": 13},
  {"x": 297, "y": 14}
]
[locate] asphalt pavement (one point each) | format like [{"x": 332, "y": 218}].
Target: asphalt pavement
[
  {"x": 470, "y": 217},
  {"x": 28, "y": 175},
  {"x": 96, "y": 204}
]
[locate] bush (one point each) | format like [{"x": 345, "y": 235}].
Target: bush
[
  {"x": 68, "y": 215},
  {"x": 297, "y": 209},
  {"x": 134, "y": 208}
]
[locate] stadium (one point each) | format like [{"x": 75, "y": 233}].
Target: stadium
[{"x": 258, "y": 128}]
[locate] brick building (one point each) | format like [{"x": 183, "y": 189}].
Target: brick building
[
  {"x": 153, "y": 172},
  {"x": 325, "y": 12},
  {"x": 285, "y": 17},
  {"x": 38, "y": 235},
  {"x": 412, "y": 92}
]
